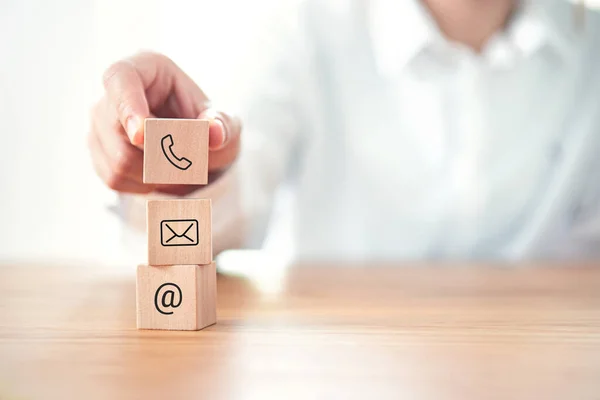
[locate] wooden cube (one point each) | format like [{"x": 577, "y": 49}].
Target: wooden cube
[
  {"x": 178, "y": 297},
  {"x": 179, "y": 231},
  {"x": 176, "y": 151}
]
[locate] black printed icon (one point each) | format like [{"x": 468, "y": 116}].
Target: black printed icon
[
  {"x": 166, "y": 143},
  {"x": 179, "y": 232},
  {"x": 168, "y": 298}
]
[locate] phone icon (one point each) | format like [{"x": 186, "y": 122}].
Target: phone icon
[{"x": 181, "y": 163}]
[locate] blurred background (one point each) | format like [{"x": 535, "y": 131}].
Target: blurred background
[
  {"x": 53, "y": 206},
  {"x": 53, "y": 54}
]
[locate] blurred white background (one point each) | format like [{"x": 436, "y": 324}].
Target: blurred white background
[
  {"x": 53, "y": 207},
  {"x": 53, "y": 54}
]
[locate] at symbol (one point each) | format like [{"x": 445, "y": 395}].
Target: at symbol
[{"x": 168, "y": 298}]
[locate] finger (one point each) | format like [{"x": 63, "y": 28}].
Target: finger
[
  {"x": 126, "y": 92},
  {"x": 108, "y": 176},
  {"x": 221, "y": 159},
  {"x": 222, "y": 130},
  {"x": 150, "y": 82},
  {"x": 185, "y": 100},
  {"x": 168, "y": 89},
  {"x": 123, "y": 158},
  {"x": 170, "y": 92}
]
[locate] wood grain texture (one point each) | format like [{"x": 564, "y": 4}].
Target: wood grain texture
[
  {"x": 329, "y": 332},
  {"x": 178, "y": 297},
  {"x": 179, "y": 231},
  {"x": 189, "y": 140}
]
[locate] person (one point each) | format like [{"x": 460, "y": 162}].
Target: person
[{"x": 406, "y": 130}]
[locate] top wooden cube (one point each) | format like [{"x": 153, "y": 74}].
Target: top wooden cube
[{"x": 176, "y": 151}]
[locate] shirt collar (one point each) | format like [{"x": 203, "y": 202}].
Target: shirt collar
[
  {"x": 542, "y": 23},
  {"x": 401, "y": 29}
]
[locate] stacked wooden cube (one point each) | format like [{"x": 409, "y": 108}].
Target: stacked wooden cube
[{"x": 176, "y": 290}]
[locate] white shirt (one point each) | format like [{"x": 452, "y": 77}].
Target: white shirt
[{"x": 401, "y": 145}]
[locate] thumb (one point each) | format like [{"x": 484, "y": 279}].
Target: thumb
[
  {"x": 223, "y": 129},
  {"x": 125, "y": 92}
]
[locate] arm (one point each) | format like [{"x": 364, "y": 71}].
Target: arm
[{"x": 242, "y": 192}]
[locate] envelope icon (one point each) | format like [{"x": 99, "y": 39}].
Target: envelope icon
[{"x": 179, "y": 232}]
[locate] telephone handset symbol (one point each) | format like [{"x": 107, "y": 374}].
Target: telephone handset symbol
[{"x": 181, "y": 163}]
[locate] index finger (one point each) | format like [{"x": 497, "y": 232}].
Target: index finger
[{"x": 126, "y": 93}]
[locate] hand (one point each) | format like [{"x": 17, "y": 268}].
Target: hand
[{"x": 151, "y": 85}]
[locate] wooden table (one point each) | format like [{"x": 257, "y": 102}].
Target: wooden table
[{"x": 332, "y": 332}]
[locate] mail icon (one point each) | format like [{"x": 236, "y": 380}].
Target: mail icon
[{"x": 179, "y": 232}]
